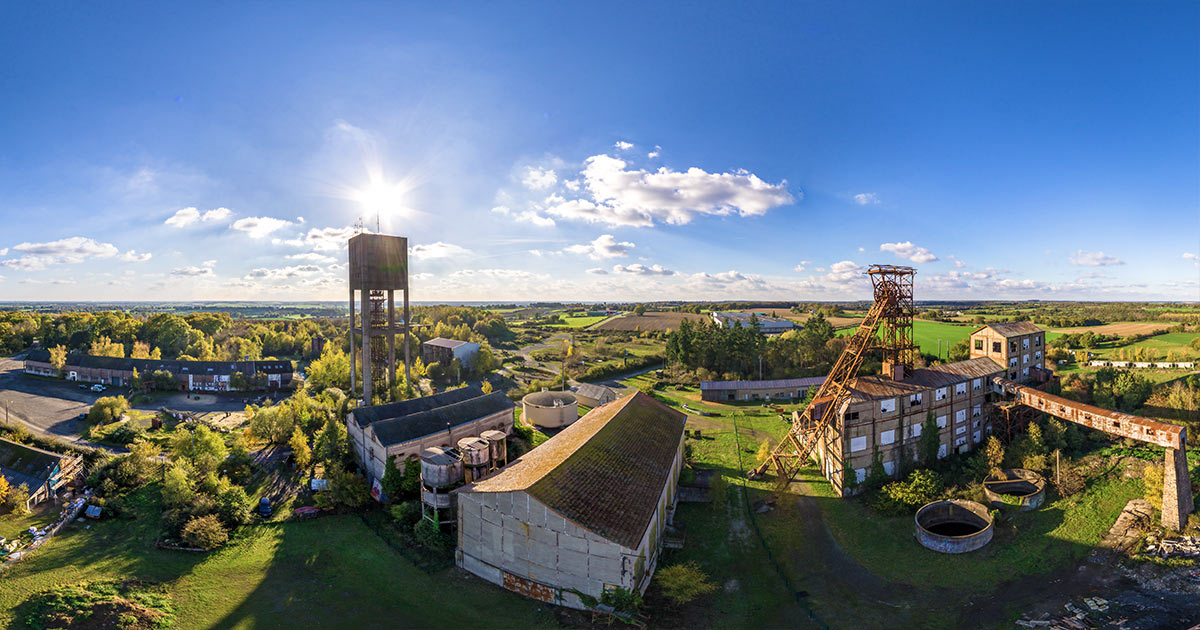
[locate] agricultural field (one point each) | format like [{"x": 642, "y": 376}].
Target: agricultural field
[
  {"x": 927, "y": 334},
  {"x": 651, "y": 321},
  {"x": 1123, "y": 329},
  {"x": 579, "y": 321}
]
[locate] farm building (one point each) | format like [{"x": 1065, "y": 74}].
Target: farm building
[
  {"x": 594, "y": 395},
  {"x": 778, "y": 389},
  {"x": 550, "y": 410},
  {"x": 404, "y": 429},
  {"x": 42, "y": 472},
  {"x": 767, "y": 324},
  {"x": 446, "y": 350},
  {"x": 211, "y": 376},
  {"x": 585, "y": 512},
  {"x": 1018, "y": 346}
]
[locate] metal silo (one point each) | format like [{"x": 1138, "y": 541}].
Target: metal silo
[
  {"x": 498, "y": 444},
  {"x": 476, "y": 457}
]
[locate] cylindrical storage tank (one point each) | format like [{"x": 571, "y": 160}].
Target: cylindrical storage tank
[
  {"x": 476, "y": 457},
  {"x": 498, "y": 442},
  {"x": 953, "y": 526},
  {"x": 550, "y": 410},
  {"x": 1015, "y": 488},
  {"x": 440, "y": 467}
]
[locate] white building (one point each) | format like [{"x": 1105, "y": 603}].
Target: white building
[
  {"x": 583, "y": 512},
  {"x": 767, "y": 324}
]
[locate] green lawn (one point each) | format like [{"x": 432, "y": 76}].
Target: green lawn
[
  {"x": 11, "y": 525},
  {"x": 331, "y": 572},
  {"x": 926, "y": 334},
  {"x": 573, "y": 321}
]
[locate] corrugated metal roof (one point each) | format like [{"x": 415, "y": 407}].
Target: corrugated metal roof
[
  {"x": 779, "y": 383},
  {"x": 366, "y": 415},
  {"x": 605, "y": 472},
  {"x": 445, "y": 343},
  {"x": 401, "y": 430},
  {"x": 869, "y": 387},
  {"x": 1011, "y": 329},
  {"x": 598, "y": 392}
]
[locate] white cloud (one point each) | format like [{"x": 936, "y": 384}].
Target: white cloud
[
  {"x": 187, "y": 216},
  {"x": 655, "y": 153},
  {"x": 322, "y": 239},
  {"x": 605, "y": 246},
  {"x": 283, "y": 273},
  {"x": 4, "y": 252},
  {"x": 525, "y": 216},
  {"x": 192, "y": 272},
  {"x": 909, "y": 251},
  {"x": 537, "y": 178},
  {"x": 798, "y": 268},
  {"x": 597, "y": 271},
  {"x": 310, "y": 257},
  {"x": 866, "y": 199},
  {"x": 1082, "y": 258},
  {"x": 638, "y": 269},
  {"x": 496, "y": 274},
  {"x": 641, "y": 198},
  {"x": 258, "y": 227},
  {"x": 437, "y": 250},
  {"x": 1186, "y": 255},
  {"x": 75, "y": 249},
  {"x": 571, "y": 184},
  {"x": 730, "y": 280},
  {"x": 132, "y": 256},
  {"x": 621, "y": 145},
  {"x": 958, "y": 264},
  {"x": 209, "y": 263}
]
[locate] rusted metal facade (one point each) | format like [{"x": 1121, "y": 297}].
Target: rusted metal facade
[{"x": 378, "y": 267}]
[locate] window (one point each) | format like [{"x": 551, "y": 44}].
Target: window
[
  {"x": 889, "y": 467},
  {"x": 976, "y": 436},
  {"x": 977, "y": 384},
  {"x": 960, "y": 430},
  {"x": 915, "y": 430},
  {"x": 860, "y": 474},
  {"x": 858, "y": 444},
  {"x": 1025, "y": 372},
  {"x": 1012, "y": 347},
  {"x": 995, "y": 346},
  {"x": 960, "y": 415},
  {"x": 1025, "y": 359},
  {"x": 960, "y": 441},
  {"x": 960, "y": 388},
  {"x": 1025, "y": 343},
  {"x": 914, "y": 399},
  {"x": 852, "y": 416},
  {"x": 939, "y": 393},
  {"x": 976, "y": 411},
  {"x": 979, "y": 344},
  {"x": 887, "y": 437},
  {"x": 887, "y": 406},
  {"x": 1037, "y": 342},
  {"x": 1037, "y": 356},
  {"x": 1012, "y": 362},
  {"x": 941, "y": 422},
  {"x": 941, "y": 451}
]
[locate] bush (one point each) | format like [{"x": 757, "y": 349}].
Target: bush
[
  {"x": 107, "y": 410},
  {"x": 904, "y": 497},
  {"x": 407, "y": 513},
  {"x": 126, "y": 433},
  {"x": 205, "y": 532},
  {"x": 234, "y": 507},
  {"x": 682, "y": 583},
  {"x": 430, "y": 535}
]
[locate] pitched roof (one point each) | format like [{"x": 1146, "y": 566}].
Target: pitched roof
[
  {"x": 417, "y": 425},
  {"x": 176, "y": 367},
  {"x": 922, "y": 379},
  {"x": 769, "y": 384},
  {"x": 599, "y": 392},
  {"x": 605, "y": 472},
  {"x": 1011, "y": 329},
  {"x": 445, "y": 343},
  {"x": 366, "y": 415},
  {"x": 21, "y": 464}
]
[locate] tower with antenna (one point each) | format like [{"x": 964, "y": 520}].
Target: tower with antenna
[{"x": 378, "y": 267}]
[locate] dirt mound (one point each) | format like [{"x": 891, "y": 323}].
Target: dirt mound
[{"x": 130, "y": 605}]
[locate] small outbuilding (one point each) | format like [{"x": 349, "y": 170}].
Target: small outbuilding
[
  {"x": 583, "y": 513},
  {"x": 550, "y": 410},
  {"x": 42, "y": 472},
  {"x": 594, "y": 395}
]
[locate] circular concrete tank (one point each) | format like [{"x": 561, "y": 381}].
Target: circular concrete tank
[
  {"x": 953, "y": 526},
  {"x": 440, "y": 467},
  {"x": 1015, "y": 488},
  {"x": 499, "y": 447},
  {"x": 550, "y": 410}
]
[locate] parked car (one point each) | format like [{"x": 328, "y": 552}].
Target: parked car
[
  {"x": 98, "y": 387},
  {"x": 264, "y": 506},
  {"x": 83, "y": 386},
  {"x": 82, "y": 416}
]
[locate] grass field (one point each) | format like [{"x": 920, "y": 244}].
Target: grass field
[
  {"x": 927, "y": 334},
  {"x": 1123, "y": 329},
  {"x": 332, "y": 572},
  {"x": 573, "y": 321}
]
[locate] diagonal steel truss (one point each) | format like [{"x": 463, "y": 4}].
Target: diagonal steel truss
[{"x": 893, "y": 296}]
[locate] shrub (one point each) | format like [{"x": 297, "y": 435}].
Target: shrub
[
  {"x": 234, "y": 507},
  {"x": 1152, "y": 478},
  {"x": 205, "y": 532},
  {"x": 430, "y": 535},
  {"x": 682, "y": 583},
  {"x": 126, "y": 433},
  {"x": 406, "y": 513},
  {"x": 17, "y": 498},
  {"x": 904, "y": 497},
  {"x": 107, "y": 410}
]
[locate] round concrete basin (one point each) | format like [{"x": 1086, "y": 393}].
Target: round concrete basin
[
  {"x": 1015, "y": 488},
  {"x": 953, "y": 526}
]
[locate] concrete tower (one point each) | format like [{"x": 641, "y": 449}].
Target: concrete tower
[{"x": 378, "y": 268}]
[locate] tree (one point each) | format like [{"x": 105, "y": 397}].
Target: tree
[
  {"x": 140, "y": 350},
  {"x": 168, "y": 332},
  {"x": 205, "y": 532},
  {"x": 347, "y": 488},
  {"x": 58, "y": 358},
  {"x": 332, "y": 369},
  {"x": 639, "y": 310},
  {"x": 682, "y": 583},
  {"x": 764, "y": 451},
  {"x": 486, "y": 387},
  {"x": 300, "y": 450},
  {"x": 202, "y": 447},
  {"x": 4, "y": 489},
  {"x": 18, "y": 499},
  {"x": 141, "y": 459},
  {"x": 330, "y": 445},
  {"x": 273, "y": 424},
  {"x": 931, "y": 441},
  {"x": 993, "y": 453},
  {"x": 107, "y": 410},
  {"x": 164, "y": 380},
  {"x": 178, "y": 489},
  {"x": 960, "y": 351},
  {"x": 1152, "y": 480},
  {"x": 237, "y": 465},
  {"x": 105, "y": 347},
  {"x": 234, "y": 506},
  {"x": 393, "y": 480}
]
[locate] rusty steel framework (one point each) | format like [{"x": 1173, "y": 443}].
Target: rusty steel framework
[{"x": 894, "y": 306}]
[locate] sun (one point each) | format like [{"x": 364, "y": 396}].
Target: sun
[{"x": 381, "y": 198}]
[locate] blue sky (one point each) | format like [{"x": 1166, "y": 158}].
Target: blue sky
[{"x": 532, "y": 151}]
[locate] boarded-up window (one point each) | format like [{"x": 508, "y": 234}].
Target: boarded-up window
[
  {"x": 887, "y": 437},
  {"x": 941, "y": 421},
  {"x": 941, "y": 451},
  {"x": 960, "y": 415},
  {"x": 915, "y": 430},
  {"x": 976, "y": 384},
  {"x": 887, "y": 406},
  {"x": 1025, "y": 343},
  {"x": 976, "y": 411},
  {"x": 960, "y": 388},
  {"x": 960, "y": 430},
  {"x": 977, "y": 437},
  {"x": 939, "y": 393},
  {"x": 889, "y": 467},
  {"x": 858, "y": 444}
]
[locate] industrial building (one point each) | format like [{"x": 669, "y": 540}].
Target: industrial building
[
  {"x": 42, "y": 472},
  {"x": 594, "y": 395},
  {"x": 767, "y": 324},
  {"x": 405, "y": 429},
  {"x": 444, "y": 351},
  {"x": 209, "y": 376},
  {"x": 550, "y": 410},
  {"x": 777, "y": 389},
  {"x": 584, "y": 512},
  {"x": 377, "y": 265},
  {"x": 1018, "y": 346}
]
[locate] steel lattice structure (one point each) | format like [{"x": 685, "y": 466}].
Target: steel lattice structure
[{"x": 893, "y": 306}]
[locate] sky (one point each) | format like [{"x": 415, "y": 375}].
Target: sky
[{"x": 594, "y": 152}]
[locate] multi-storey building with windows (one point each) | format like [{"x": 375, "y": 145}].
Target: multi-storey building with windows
[{"x": 1018, "y": 346}]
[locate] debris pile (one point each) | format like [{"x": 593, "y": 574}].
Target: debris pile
[{"x": 1182, "y": 547}]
